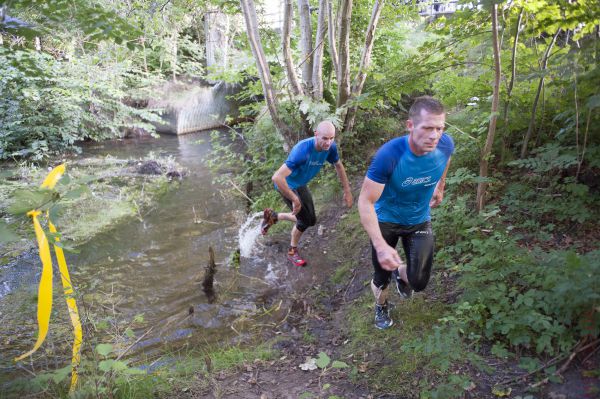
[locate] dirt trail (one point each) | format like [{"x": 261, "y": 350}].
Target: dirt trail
[{"x": 318, "y": 309}]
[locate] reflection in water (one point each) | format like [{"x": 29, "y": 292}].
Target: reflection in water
[{"x": 154, "y": 266}]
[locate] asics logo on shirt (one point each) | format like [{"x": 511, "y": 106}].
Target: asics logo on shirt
[
  {"x": 316, "y": 163},
  {"x": 411, "y": 181}
]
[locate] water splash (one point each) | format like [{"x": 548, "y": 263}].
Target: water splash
[
  {"x": 271, "y": 277},
  {"x": 248, "y": 234}
]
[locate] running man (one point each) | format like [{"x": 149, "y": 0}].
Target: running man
[
  {"x": 304, "y": 162},
  {"x": 405, "y": 179}
]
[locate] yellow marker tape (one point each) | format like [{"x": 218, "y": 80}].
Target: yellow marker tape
[
  {"x": 54, "y": 176},
  {"x": 73, "y": 312},
  {"x": 45, "y": 289}
]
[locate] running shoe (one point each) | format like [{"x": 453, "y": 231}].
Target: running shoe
[
  {"x": 403, "y": 289},
  {"x": 269, "y": 219},
  {"x": 294, "y": 257},
  {"x": 382, "y": 316}
]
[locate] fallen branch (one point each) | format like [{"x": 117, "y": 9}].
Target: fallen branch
[
  {"x": 566, "y": 364},
  {"x": 241, "y": 192}
]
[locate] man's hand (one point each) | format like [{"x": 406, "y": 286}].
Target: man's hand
[
  {"x": 296, "y": 206},
  {"x": 348, "y": 198},
  {"x": 388, "y": 258},
  {"x": 437, "y": 197}
]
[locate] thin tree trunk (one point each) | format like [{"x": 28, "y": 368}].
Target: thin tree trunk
[
  {"x": 143, "y": 40},
  {"x": 365, "y": 62},
  {"x": 263, "y": 71},
  {"x": 511, "y": 84},
  {"x": 487, "y": 149},
  {"x": 174, "y": 55},
  {"x": 332, "y": 40},
  {"x": 317, "y": 74},
  {"x": 287, "y": 53},
  {"x": 344, "y": 56},
  {"x": 306, "y": 44},
  {"x": 537, "y": 95}
]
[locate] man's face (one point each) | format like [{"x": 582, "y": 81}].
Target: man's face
[
  {"x": 324, "y": 138},
  {"x": 425, "y": 132}
]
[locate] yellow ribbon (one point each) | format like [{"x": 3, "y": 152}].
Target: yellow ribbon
[{"x": 45, "y": 289}]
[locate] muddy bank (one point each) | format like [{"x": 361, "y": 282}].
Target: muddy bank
[{"x": 330, "y": 311}]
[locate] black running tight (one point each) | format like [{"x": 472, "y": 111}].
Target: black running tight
[{"x": 418, "y": 242}]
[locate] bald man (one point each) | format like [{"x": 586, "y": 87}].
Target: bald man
[{"x": 304, "y": 162}]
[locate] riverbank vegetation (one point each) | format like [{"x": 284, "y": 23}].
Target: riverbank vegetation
[{"x": 514, "y": 301}]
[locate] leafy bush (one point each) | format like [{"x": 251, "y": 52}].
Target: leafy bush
[{"x": 48, "y": 105}]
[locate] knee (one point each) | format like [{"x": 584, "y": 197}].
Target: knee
[
  {"x": 419, "y": 283},
  {"x": 381, "y": 281}
]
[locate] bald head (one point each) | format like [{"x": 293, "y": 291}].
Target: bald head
[
  {"x": 324, "y": 136},
  {"x": 325, "y": 127}
]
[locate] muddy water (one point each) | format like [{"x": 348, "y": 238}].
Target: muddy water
[{"x": 153, "y": 265}]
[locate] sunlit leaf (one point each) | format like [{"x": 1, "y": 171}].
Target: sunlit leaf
[{"x": 104, "y": 349}]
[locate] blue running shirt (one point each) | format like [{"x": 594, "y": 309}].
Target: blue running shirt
[
  {"x": 409, "y": 180},
  {"x": 305, "y": 162}
]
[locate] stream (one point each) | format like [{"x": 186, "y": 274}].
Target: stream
[{"x": 154, "y": 266}]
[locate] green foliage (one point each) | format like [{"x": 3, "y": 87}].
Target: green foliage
[{"x": 49, "y": 104}]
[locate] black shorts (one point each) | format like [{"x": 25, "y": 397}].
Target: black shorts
[
  {"x": 306, "y": 217},
  {"x": 418, "y": 242}
]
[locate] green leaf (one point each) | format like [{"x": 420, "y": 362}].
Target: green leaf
[
  {"x": 27, "y": 200},
  {"x": 60, "y": 375},
  {"x": 6, "y": 234},
  {"x": 326, "y": 386},
  {"x": 76, "y": 193},
  {"x": 104, "y": 349},
  {"x": 323, "y": 360},
  {"x": 339, "y": 365},
  {"x": 129, "y": 333},
  {"x": 593, "y": 102},
  {"x": 114, "y": 365}
]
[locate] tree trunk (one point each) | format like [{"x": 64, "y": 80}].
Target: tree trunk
[
  {"x": 317, "y": 74},
  {"x": 287, "y": 53},
  {"x": 263, "y": 72},
  {"x": 537, "y": 94},
  {"x": 216, "y": 30},
  {"x": 174, "y": 36},
  {"x": 306, "y": 44},
  {"x": 332, "y": 41},
  {"x": 344, "y": 56},
  {"x": 509, "y": 90},
  {"x": 365, "y": 62},
  {"x": 487, "y": 149}
]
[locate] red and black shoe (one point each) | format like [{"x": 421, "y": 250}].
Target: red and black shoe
[
  {"x": 269, "y": 219},
  {"x": 294, "y": 257}
]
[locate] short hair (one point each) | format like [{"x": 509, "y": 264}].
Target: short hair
[{"x": 426, "y": 103}]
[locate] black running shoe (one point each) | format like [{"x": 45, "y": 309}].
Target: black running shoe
[
  {"x": 402, "y": 287},
  {"x": 382, "y": 316}
]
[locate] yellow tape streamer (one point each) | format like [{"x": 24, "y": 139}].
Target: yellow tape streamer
[
  {"x": 45, "y": 290},
  {"x": 73, "y": 312}
]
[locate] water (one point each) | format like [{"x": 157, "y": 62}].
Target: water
[
  {"x": 248, "y": 235},
  {"x": 154, "y": 266}
]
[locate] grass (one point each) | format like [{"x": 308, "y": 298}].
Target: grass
[{"x": 95, "y": 194}]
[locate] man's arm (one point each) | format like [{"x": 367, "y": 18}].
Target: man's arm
[
  {"x": 341, "y": 172},
  {"x": 369, "y": 194},
  {"x": 279, "y": 179},
  {"x": 438, "y": 194}
]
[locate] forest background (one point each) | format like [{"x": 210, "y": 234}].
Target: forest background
[{"x": 520, "y": 79}]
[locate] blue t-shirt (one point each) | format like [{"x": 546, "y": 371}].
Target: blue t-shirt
[
  {"x": 305, "y": 162},
  {"x": 409, "y": 179}
]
